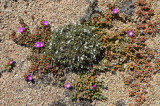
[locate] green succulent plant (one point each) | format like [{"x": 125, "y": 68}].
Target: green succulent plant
[
  {"x": 88, "y": 87},
  {"x": 74, "y": 46}
]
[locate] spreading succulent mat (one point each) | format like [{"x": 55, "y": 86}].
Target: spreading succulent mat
[{"x": 99, "y": 45}]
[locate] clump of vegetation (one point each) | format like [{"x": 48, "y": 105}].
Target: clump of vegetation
[
  {"x": 101, "y": 21},
  {"x": 79, "y": 47},
  {"x": 25, "y": 38},
  {"x": 87, "y": 87},
  {"x": 128, "y": 54},
  {"x": 8, "y": 66},
  {"x": 41, "y": 63},
  {"x": 74, "y": 46},
  {"x": 75, "y": 40},
  {"x": 144, "y": 23}
]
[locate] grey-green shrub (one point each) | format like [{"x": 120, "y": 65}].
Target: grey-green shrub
[{"x": 74, "y": 46}]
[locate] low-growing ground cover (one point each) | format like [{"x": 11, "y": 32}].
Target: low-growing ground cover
[{"x": 124, "y": 50}]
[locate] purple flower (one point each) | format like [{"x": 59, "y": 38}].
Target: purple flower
[
  {"x": 30, "y": 77},
  {"x": 21, "y": 29},
  {"x": 37, "y": 45},
  {"x": 93, "y": 86},
  {"x": 41, "y": 44},
  {"x": 115, "y": 11},
  {"x": 68, "y": 85},
  {"x": 10, "y": 62},
  {"x": 45, "y": 23},
  {"x": 130, "y": 33}
]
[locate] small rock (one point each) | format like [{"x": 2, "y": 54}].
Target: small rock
[
  {"x": 19, "y": 90},
  {"x": 30, "y": 100},
  {"x": 42, "y": 104}
]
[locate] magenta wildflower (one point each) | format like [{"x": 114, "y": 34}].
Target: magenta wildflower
[
  {"x": 37, "y": 45},
  {"x": 21, "y": 29},
  {"x": 115, "y": 11},
  {"x": 93, "y": 86},
  {"x": 30, "y": 77},
  {"x": 10, "y": 62},
  {"x": 41, "y": 44},
  {"x": 130, "y": 33},
  {"x": 45, "y": 23},
  {"x": 68, "y": 85}
]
